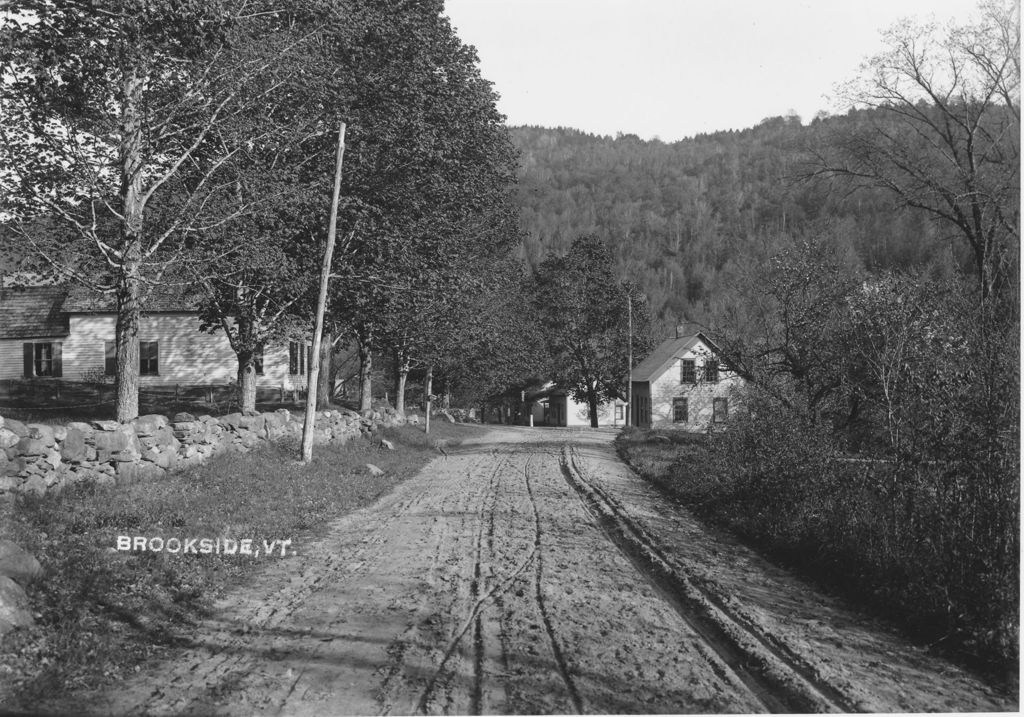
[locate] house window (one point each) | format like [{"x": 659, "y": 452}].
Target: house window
[
  {"x": 688, "y": 371},
  {"x": 296, "y": 358},
  {"x": 711, "y": 370},
  {"x": 110, "y": 358},
  {"x": 680, "y": 410},
  {"x": 42, "y": 358},
  {"x": 620, "y": 413},
  {"x": 721, "y": 410},
  {"x": 257, "y": 361},
  {"x": 148, "y": 358}
]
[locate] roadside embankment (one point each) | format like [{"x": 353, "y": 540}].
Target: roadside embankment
[{"x": 905, "y": 541}]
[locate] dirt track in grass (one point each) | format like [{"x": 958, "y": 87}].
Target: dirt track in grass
[{"x": 531, "y": 572}]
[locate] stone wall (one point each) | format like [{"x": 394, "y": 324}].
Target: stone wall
[{"x": 38, "y": 458}]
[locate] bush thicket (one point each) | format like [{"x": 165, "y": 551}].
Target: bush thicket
[{"x": 879, "y": 446}]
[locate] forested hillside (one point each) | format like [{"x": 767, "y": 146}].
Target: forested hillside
[{"x": 682, "y": 218}]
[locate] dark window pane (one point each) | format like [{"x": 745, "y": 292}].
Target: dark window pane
[
  {"x": 680, "y": 410},
  {"x": 44, "y": 359},
  {"x": 721, "y": 409},
  {"x": 148, "y": 358},
  {"x": 688, "y": 372},
  {"x": 110, "y": 358},
  {"x": 711, "y": 371}
]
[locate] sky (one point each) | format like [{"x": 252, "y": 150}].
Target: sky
[{"x": 675, "y": 68}]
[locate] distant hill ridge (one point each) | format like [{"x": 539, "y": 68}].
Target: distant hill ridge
[{"x": 680, "y": 217}]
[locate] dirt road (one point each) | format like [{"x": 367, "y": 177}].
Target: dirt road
[{"x": 531, "y": 572}]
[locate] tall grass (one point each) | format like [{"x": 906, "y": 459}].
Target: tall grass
[{"x": 932, "y": 546}]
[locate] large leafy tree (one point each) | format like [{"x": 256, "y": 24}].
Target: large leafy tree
[
  {"x": 451, "y": 320},
  {"x": 426, "y": 178},
  {"x": 787, "y": 326},
  {"x": 254, "y": 280},
  {"x": 256, "y": 273},
  {"x": 500, "y": 344},
  {"x": 583, "y": 310},
  {"x": 111, "y": 128},
  {"x": 945, "y": 134}
]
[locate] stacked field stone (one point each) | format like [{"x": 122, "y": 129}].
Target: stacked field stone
[{"x": 37, "y": 458}]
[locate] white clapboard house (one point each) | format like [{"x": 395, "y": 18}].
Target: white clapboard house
[
  {"x": 51, "y": 332},
  {"x": 684, "y": 384}
]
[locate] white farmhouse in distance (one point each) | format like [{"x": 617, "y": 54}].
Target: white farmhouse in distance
[{"x": 683, "y": 384}]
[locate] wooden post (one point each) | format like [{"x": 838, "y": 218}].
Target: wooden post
[
  {"x": 318, "y": 328},
  {"x": 629, "y": 360},
  {"x": 429, "y": 387}
]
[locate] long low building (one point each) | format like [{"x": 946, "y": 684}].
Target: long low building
[{"x": 69, "y": 332}]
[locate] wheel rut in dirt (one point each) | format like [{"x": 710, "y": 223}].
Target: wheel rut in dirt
[
  {"x": 476, "y": 654},
  {"x": 771, "y": 673},
  {"x": 538, "y": 582}
]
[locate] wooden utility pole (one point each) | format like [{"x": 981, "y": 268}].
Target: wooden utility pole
[
  {"x": 321, "y": 304},
  {"x": 629, "y": 362},
  {"x": 428, "y": 387}
]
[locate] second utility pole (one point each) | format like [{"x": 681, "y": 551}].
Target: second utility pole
[{"x": 321, "y": 304}]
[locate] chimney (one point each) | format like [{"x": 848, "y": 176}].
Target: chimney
[{"x": 687, "y": 328}]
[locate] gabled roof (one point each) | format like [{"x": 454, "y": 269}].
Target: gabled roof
[
  {"x": 658, "y": 361},
  {"x": 165, "y": 298},
  {"x": 30, "y": 312}
]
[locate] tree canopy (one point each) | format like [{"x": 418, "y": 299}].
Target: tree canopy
[
  {"x": 583, "y": 312},
  {"x": 944, "y": 136},
  {"x": 116, "y": 136}
]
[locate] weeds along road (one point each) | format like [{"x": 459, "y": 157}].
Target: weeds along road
[{"x": 531, "y": 572}]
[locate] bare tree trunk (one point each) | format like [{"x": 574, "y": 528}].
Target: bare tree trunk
[
  {"x": 428, "y": 386},
  {"x": 246, "y": 382},
  {"x": 365, "y": 380},
  {"x": 127, "y": 335},
  {"x": 324, "y": 378},
  {"x": 401, "y": 378},
  {"x": 243, "y": 342},
  {"x": 128, "y": 306},
  {"x": 592, "y": 403}
]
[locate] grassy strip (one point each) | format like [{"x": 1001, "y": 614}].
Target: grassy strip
[{"x": 100, "y": 612}]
